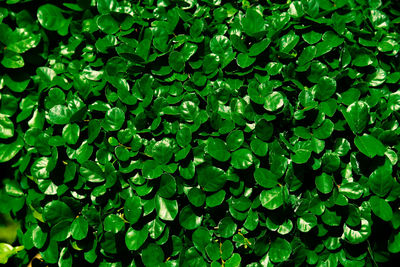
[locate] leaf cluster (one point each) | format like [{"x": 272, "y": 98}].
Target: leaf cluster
[{"x": 201, "y": 132}]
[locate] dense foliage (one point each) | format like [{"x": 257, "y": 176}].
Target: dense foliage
[{"x": 201, "y": 132}]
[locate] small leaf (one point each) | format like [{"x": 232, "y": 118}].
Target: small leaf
[
  {"x": 369, "y": 145},
  {"x": 176, "y": 61},
  {"x": 218, "y": 149},
  {"x": 324, "y": 183},
  {"x": 381, "y": 208},
  {"x": 280, "y": 250},
  {"x": 272, "y": 199}
]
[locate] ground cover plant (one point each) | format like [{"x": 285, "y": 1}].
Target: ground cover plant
[{"x": 200, "y": 132}]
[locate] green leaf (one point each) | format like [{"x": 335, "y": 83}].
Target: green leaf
[
  {"x": 351, "y": 190},
  {"x": 357, "y": 116},
  {"x": 196, "y": 197},
  {"x": 113, "y": 223},
  {"x": 176, "y": 61},
  {"x": 162, "y": 151},
  {"x": 325, "y": 88},
  {"x": 71, "y": 133},
  {"x": 50, "y": 17},
  {"x": 253, "y": 23},
  {"x": 41, "y": 168},
  {"x": 306, "y": 222},
  {"x": 359, "y": 235},
  {"x": 201, "y": 238},
  {"x": 369, "y": 145},
  {"x": 133, "y": 209},
  {"x": 381, "y": 208},
  {"x": 265, "y": 178},
  {"x": 57, "y": 211},
  {"x": 114, "y": 119},
  {"x": 167, "y": 186},
  {"x": 188, "y": 219},
  {"x": 274, "y": 101},
  {"x": 244, "y": 60},
  {"x": 220, "y": 45},
  {"x": 167, "y": 209},
  {"x": 210, "y": 63},
  {"x": 211, "y": 185},
  {"x": 152, "y": 255},
  {"x": 105, "y": 6},
  {"x": 259, "y": 147},
  {"x": 39, "y": 237},
  {"x": 92, "y": 172},
  {"x": 362, "y": 60},
  {"x": 60, "y": 231},
  {"x": 6, "y": 251},
  {"x": 280, "y": 250},
  {"x": 59, "y": 114},
  {"x": 6, "y": 127},
  {"x": 227, "y": 227},
  {"x": 215, "y": 199},
  {"x": 307, "y": 55},
  {"x": 12, "y": 60},
  {"x": 394, "y": 243},
  {"x": 108, "y": 24},
  {"x": 235, "y": 139},
  {"x": 301, "y": 156},
  {"x": 134, "y": 239},
  {"x": 242, "y": 159},
  {"x": 184, "y": 136},
  {"x": 79, "y": 228},
  {"x": 288, "y": 42},
  {"x": 218, "y": 149},
  {"x": 381, "y": 181},
  {"x": 324, "y": 183},
  {"x": 272, "y": 199}
]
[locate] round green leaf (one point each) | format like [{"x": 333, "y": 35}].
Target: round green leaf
[
  {"x": 227, "y": 227},
  {"x": 167, "y": 186},
  {"x": 114, "y": 119},
  {"x": 113, "y": 223},
  {"x": 357, "y": 116},
  {"x": 197, "y": 197},
  {"x": 176, "y": 61},
  {"x": 134, "y": 239},
  {"x": 218, "y": 149},
  {"x": 50, "y": 17},
  {"x": 152, "y": 255},
  {"x": 71, "y": 133},
  {"x": 184, "y": 136},
  {"x": 274, "y": 101},
  {"x": 325, "y": 88},
  {"x": 166, "y": 209},
  {"x": 244, "y": 60},
  {"x": 57, "y": 211},
  {"x": 306, "y": 222},
  {"x": 59, "y": 114},
  {"x": 324, "y": 183},
  {"x": 235, "y": 139},
  {"x": 280, "y": 250},
  {"x": 369, "y": 145},
  {"x": 265, "y": 178},
  {"x": 381, "y": 208},
  {"x": 211, "y": 185},
  {"x": 188, "y": 219},
  {"x": 79, "y": 228},
  {"x": 272, "y": 199},
  {"x": 220, "y": 45},
  {"x": 242, "y": 159}
]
